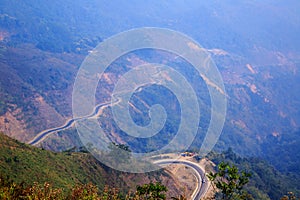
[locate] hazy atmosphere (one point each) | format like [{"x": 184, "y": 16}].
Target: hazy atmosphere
[{"x": 183, "y": 99}]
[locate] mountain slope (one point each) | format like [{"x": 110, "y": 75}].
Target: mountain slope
[
  {"x": 265, "y": 182},
  {"x": 254, "y": 44},
  {"x": 23, "y": 163}
]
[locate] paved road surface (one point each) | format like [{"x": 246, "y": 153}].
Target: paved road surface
[
  {"x": 203, "y": 183},
  {"x": 42, "y": 135}
]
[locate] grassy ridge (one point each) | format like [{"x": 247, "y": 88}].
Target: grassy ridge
[{"x": 22, "y": 163}]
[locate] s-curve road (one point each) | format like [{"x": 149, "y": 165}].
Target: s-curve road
[
  {"x": 44, "y": 134},
  {"x": 203, "y": 183}
]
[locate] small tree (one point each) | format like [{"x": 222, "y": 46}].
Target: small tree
[
  {"x": 230, "y": 182},
  {"x": 152, "y": 191}
]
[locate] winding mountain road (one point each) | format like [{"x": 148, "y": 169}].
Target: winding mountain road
[
  {"x": 44, "y": 134},
  {"x": 203, "y": 183}
]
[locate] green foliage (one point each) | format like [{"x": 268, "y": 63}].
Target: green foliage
[
  {"x": 151, "y": 191},
  {"x": 21, "y": 162},
  {"x": 86, "y": 192},
  {"x": 266, "y": 182},
  {"x": 45, "y": 191},
  {"x": 10, "y": 190},
  {"x": 230, "y": 181}
]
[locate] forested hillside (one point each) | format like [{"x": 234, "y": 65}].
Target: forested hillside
[
  {"x": 266, "y": 182},
  {"x": 22, "y": 163}
]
